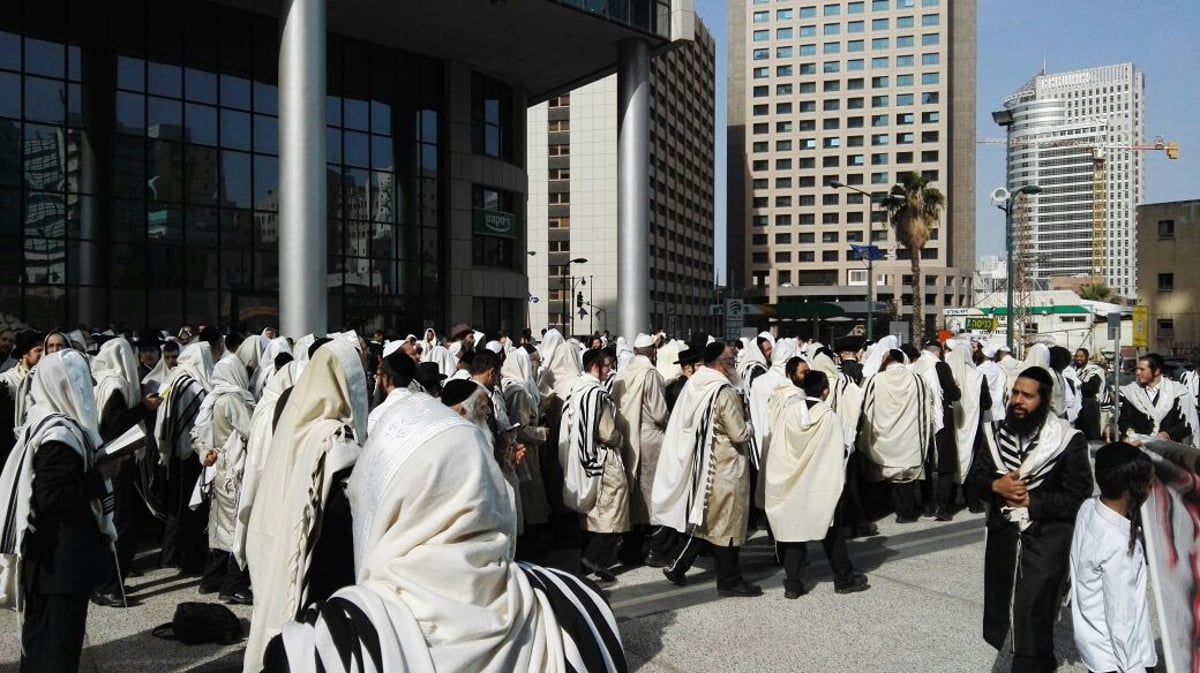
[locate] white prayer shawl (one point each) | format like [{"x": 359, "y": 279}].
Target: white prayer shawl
[
  {"x": 560, "y": 365},
  {"x": 684, "y": 476},
  {"x": 845, "y": 396},
  {"x": 266, "y": 365},
  {"x": 580, "y": 452},
  {"x": 115, "y": 369},
  {"x": 1189, "y": 379},
  {"x": 875, "y": 354},
  {"x": 967, "y": 410},
  {"x": 300, "y": 349},
  {"x": 251, "y": 351},
  {"x": 153, "y": 382},
  {"x": 226, "y": 410},
  {"x": 63, "y": 410},
  {"x": 763, "y": 387},
  {"x": 429, "y": 341},
  {"x": 1092, "y": 370},
  {"x": 182, "y": 393},
  {"x": 446, "y": 361},
  {"x": 316, "y": 437},
  {"x": 393, "y": 398},
  {"x": 258, "y": 447},
  {"x": 228, "y": 378},
  {"x": 624, "y": 353},
  {"x": 997, "y": 382},
  {"x": 434, "y": 539},
  {"x": 751, "y": 362},
  {"x": 1072, "y": 397},
  {"x": 668, "y": 359},
  {"x": 517, "y": 370},
  {"x": 1169, "y": 392},
  {"x": 926, "y": 368},
  {"x": 805, "y": 470},
  {"x": 1050, "y": 442},
  {"x": 897, "y": 423}
]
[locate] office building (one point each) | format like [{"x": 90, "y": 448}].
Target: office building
[
  {"x": 1071, "y": 134},
  {"x": 573, "y": 198},
  {"x": 1168, "y": 279},
  {"x": 859, "y": 93},
  {"x": 343, "y": 165}
]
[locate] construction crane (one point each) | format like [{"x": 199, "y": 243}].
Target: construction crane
[{"x": 1099, "y": 180}]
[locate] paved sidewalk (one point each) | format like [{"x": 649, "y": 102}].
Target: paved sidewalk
[{"x": 922, "y": 613}]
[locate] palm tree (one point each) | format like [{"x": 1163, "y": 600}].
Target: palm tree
[
  {"x": 915, "y": 208},
  {"x": 1096, "y": 292}
]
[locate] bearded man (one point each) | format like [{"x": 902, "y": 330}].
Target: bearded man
[{"x": 1032, "y": 470}]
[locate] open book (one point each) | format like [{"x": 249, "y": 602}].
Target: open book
[{"x": 132, "y": 441}]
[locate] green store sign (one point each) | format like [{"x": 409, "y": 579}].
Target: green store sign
[{"x": 494, "y": 223}]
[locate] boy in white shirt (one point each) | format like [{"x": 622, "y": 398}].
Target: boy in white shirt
[{"x": 1109, "y": 607}]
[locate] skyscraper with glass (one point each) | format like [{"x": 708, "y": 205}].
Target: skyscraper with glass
[
  {"x": 205, "y": 161},
  {"x": 857, "y": 93}
]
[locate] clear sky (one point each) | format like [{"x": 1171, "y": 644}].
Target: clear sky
[{"x": 1161, "y": 37}]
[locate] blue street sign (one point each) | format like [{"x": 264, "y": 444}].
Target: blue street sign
[{"x": 867, "y": 252}]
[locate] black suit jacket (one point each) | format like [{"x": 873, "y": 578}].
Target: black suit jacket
[{"x": 65, "y": 552}]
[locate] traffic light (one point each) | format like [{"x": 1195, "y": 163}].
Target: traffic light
[{"x": 579, "y": 300}]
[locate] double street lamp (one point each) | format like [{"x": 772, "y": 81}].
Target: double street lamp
[
  {"x": 566, "y": 296},
  {"x": 872, "y": 253},
  {"x": 1003, "y": 199}
]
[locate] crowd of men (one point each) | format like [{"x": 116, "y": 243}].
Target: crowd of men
[{"x": 389, "y": 497}]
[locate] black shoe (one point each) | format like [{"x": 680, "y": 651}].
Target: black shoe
[
  {"x": 603, "y": 574},
  {"x": 675, "y": 577},
  {"x": 976, "y": 509},
  {"x": 108, "y": 600},
  {"x": 906, "y": 519},
  {"x": 203, "y": 590},
  {"x": 237, "y": 598},
  {"x": 793, "y": 594},
  {"x": 942, "y": 514},
  {"x": 742, "y": 589},
  {"x": 859, "y": 583},
  {"x": 868, "y": 529}
]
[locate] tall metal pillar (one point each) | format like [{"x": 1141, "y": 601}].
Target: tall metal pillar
[
  {"x": 633, "y": 188},
  {"x": 303, "y": 294}
]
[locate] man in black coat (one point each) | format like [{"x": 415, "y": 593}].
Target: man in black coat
[{"x": 1033, "y": 472}]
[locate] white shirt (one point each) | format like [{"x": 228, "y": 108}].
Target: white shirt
[{"x": 1109, "y": 606}]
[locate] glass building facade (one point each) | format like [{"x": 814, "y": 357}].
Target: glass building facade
[{"x": 139, "y": 170}]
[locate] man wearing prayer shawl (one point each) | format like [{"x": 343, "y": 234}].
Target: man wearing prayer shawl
[
  {"x": 27, "y": 351},
  {"x": 942, "y": 457},
  {"x": 896, "y": 428},
  {"x": 702, "y": 484},
  {"x": 182, "y": 394},
  {"x": 119, "y": 399},
  {"x": 639, "y": 394},
  {"x": 997, "y": 382},
  {"x": 846, "y": 400},
  {"x": 437, "y": 587},
  {"x": 518, "y": 382},
  {"x": 973, "y": 398},
  {"x": 1032, "y": 470},
  {"x": 803, "y": 479},
  {"x": 297, "y": 538},
  {"x": 764, "y": 387},
  {"x": 52, "y": 480},
  {"x": 1157, "y": 406},
  {"x": 1091, "y": 391},
  {"x": 752, "y": 362},
  {"x": 219, "y": 438},
  {"x": 595, "y": 482}
]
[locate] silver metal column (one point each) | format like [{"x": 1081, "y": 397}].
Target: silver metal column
[
  {"x": 633, "y": 188},
  {"x": 303, "y": 295}
]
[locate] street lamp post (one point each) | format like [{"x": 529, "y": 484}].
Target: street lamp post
[
  {"x": 870, "y": 260},
  {"x": 1006, "y": 206},
  {"x": 566, "y": 297}
]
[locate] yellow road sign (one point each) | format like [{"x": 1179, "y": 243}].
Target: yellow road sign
[{"x": 1141, "y": 326}]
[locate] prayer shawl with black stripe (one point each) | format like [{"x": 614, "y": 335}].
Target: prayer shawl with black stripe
[
  {"x": 437, "y": 588},
  {"x": 1033, "y": 457},
  {"x": 1170, "y": 396},
  {"x": 580, "y": 452},
  {"x": 897, "y": 424},
  {"x": 684, "y": 476}
]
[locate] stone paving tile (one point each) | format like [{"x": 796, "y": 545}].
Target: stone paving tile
[{"x": 922, "y": 613}]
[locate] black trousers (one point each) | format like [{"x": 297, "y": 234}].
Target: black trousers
[
  {"x": 222, "y": 573},
  {"x": 850, "y": 507},
  {"x": 52, "y": 634},
  {"x": 940, "y": 469},
  {"x": 794, "y": 555},
  {"x": 906, "y": 499},
  {"x": 127, "y": 518},
  {"x": 1022, "y": 663},
  {"x": 725, "y": 560},
  {"x": 185, "y": 534},
  {"x": 601, "y": 548}
]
